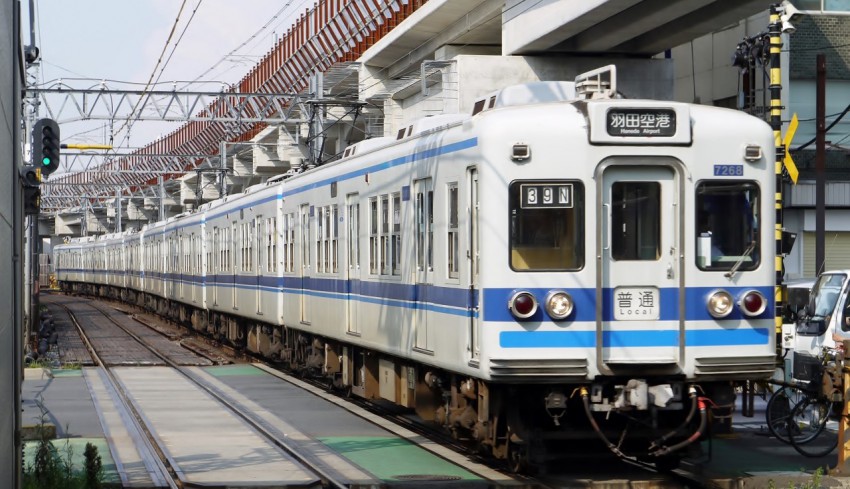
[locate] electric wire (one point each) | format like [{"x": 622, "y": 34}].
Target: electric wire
[
  {"x": 351, "y": 34},
  {"x": 826, "y": 130},
  {"x": 177, "y": 42},
  {"x": 250, "y": 38},
  {"x": 128, "y": 122},
  {"x": 327, "y": 56}
]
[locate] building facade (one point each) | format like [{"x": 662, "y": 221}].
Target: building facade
[{"x": 704, "y": 73}]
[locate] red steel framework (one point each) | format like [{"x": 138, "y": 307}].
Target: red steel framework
[{"x": 332, "y": 31}]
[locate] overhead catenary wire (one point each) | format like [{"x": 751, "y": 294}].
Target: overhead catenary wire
[
  {"x": 328, "y": 55},
  {"x": 177, "y": 42},
  {"x": 128, "y": 121},
  {"x": 250, "y": 38}
]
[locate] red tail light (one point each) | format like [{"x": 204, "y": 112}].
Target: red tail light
[
  {"x": 522, "y": 305},
  {"x": 752, "y": 303}
]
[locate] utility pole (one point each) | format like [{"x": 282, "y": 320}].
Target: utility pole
[
  {"x": 820, "y": 165},
  {"x": 765, "y": 48}
]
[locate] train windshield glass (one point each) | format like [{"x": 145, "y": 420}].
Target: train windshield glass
[
  {"x": 636, "y": 221},
  {"x": 547, "y": 225},
  {"x": 727, "y": 232}
]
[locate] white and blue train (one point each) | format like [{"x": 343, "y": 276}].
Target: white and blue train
[{"x": 556, "y": 264}]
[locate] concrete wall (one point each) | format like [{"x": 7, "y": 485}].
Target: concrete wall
[
  {"x": 703, "y": 68},
  {"x": 469, "y": 77}
]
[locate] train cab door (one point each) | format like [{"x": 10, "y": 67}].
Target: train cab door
[
  {"x": 641, "y": 318},
  {"x": 423, "y": 191},
  {"x": 353, "y": 206},
  {"x": 305, "y": 263}
]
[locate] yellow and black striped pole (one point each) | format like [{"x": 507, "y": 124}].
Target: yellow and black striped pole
[{"x": 774, "y": 33}]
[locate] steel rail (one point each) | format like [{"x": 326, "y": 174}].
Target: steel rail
[
  {"x": 327, "y": 479},
  {"x": 164, "y": 466}
]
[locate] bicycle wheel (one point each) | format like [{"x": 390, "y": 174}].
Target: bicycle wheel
[
  {"x": 778, "y": 411},
  {"x": 806, "y": 425}
]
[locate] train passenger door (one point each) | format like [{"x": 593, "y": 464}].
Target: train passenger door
[
  {"x": 423, "y": 219},
  {"x": 181, "y": 270},
  {"x": 235, "y": 253},
  {"x": 641, "y": 320},
  {"x": 474, "y": 346},
  {"x": 194, "y": 269},
  {"x": 305, "y": 263},
  {"x": 215, "y": 266},
  {"x": 353, "y": 206},
  {"x": 259, "y": 257}
]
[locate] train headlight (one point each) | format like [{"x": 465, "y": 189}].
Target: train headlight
[
  {"x": 523, "y": 305},
  {"x": 752, "y": 303},
  {"x": 720, "y": 304},
  {"x": 559, "y": 305}
]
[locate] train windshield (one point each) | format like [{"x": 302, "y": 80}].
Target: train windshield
[
  {"x": 727, "y": 232},
  {"x": 547, "y": 225}
]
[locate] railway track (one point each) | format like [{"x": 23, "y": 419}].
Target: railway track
[
  {"x": 167, "y": 468},
  {"x": 625, "y": 473}
]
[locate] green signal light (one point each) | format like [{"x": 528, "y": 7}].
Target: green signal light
[{"x": 45, "y": 161}]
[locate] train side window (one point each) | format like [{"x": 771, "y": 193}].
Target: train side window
[
  {"x": 289, "y": 242},
  {"x": 354, "y": 235},
  {"x": 327, "y": 239},
  {"x": 424, "y": 223},
  {"x": 453, "y": 235},
  {"x": 546, "y": 225},
  {"x": 333, "y": 227},
  {"x": 305, "y": 237},
  {"x": 727, "y": 225},
  {"x": 636, "y": 221},
  {"x": 274, "y": 236},
  {"x": 321, "y": 257},
  {"x": 396, "y": 235},
  {"x": 385, "y": 235},
  {"x": 373, "y": 235}
]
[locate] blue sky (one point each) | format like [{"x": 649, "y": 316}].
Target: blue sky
[{"x": 121, "y": 40}]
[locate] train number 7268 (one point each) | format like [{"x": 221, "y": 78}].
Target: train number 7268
[{"x": 728, "y": 170}]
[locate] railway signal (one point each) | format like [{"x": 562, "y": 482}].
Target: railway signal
[
  {"x": 45, "y": 146},
  {"x": 31, "y": 180}
]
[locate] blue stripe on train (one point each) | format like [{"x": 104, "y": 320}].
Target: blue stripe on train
[
  {"x": 451, "y": 298},
  {"x": 496, "y": 300},
  {"x": 637, "y": 338}
]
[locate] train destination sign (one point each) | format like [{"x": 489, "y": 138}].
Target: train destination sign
[
  {"x": 543, "y": 195},
  {"x": 641, "y": 122}
]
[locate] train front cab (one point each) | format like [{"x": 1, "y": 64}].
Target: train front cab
[{"x": 654, "y": 306}]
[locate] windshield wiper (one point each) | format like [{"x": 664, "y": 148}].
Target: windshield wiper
[{"x": 732, "y": 271}]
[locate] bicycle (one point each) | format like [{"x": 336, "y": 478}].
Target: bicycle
[
  {"x": 779, "y": 411},
  {"x": 798, "y": 412},
  {"x": 812, "y": 412}
]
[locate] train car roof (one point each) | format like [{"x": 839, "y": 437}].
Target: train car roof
[{"x": 527, "y": 94}]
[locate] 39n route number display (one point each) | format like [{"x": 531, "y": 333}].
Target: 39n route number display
[{"x": 538, "y": 196}]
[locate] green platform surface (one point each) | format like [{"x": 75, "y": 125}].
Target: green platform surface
[
  {"x": 390, "y": 458},
  {"x": 231, "y": 370}
]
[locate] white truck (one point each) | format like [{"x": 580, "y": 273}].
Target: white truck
[{"x": 823, "y": 322}]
